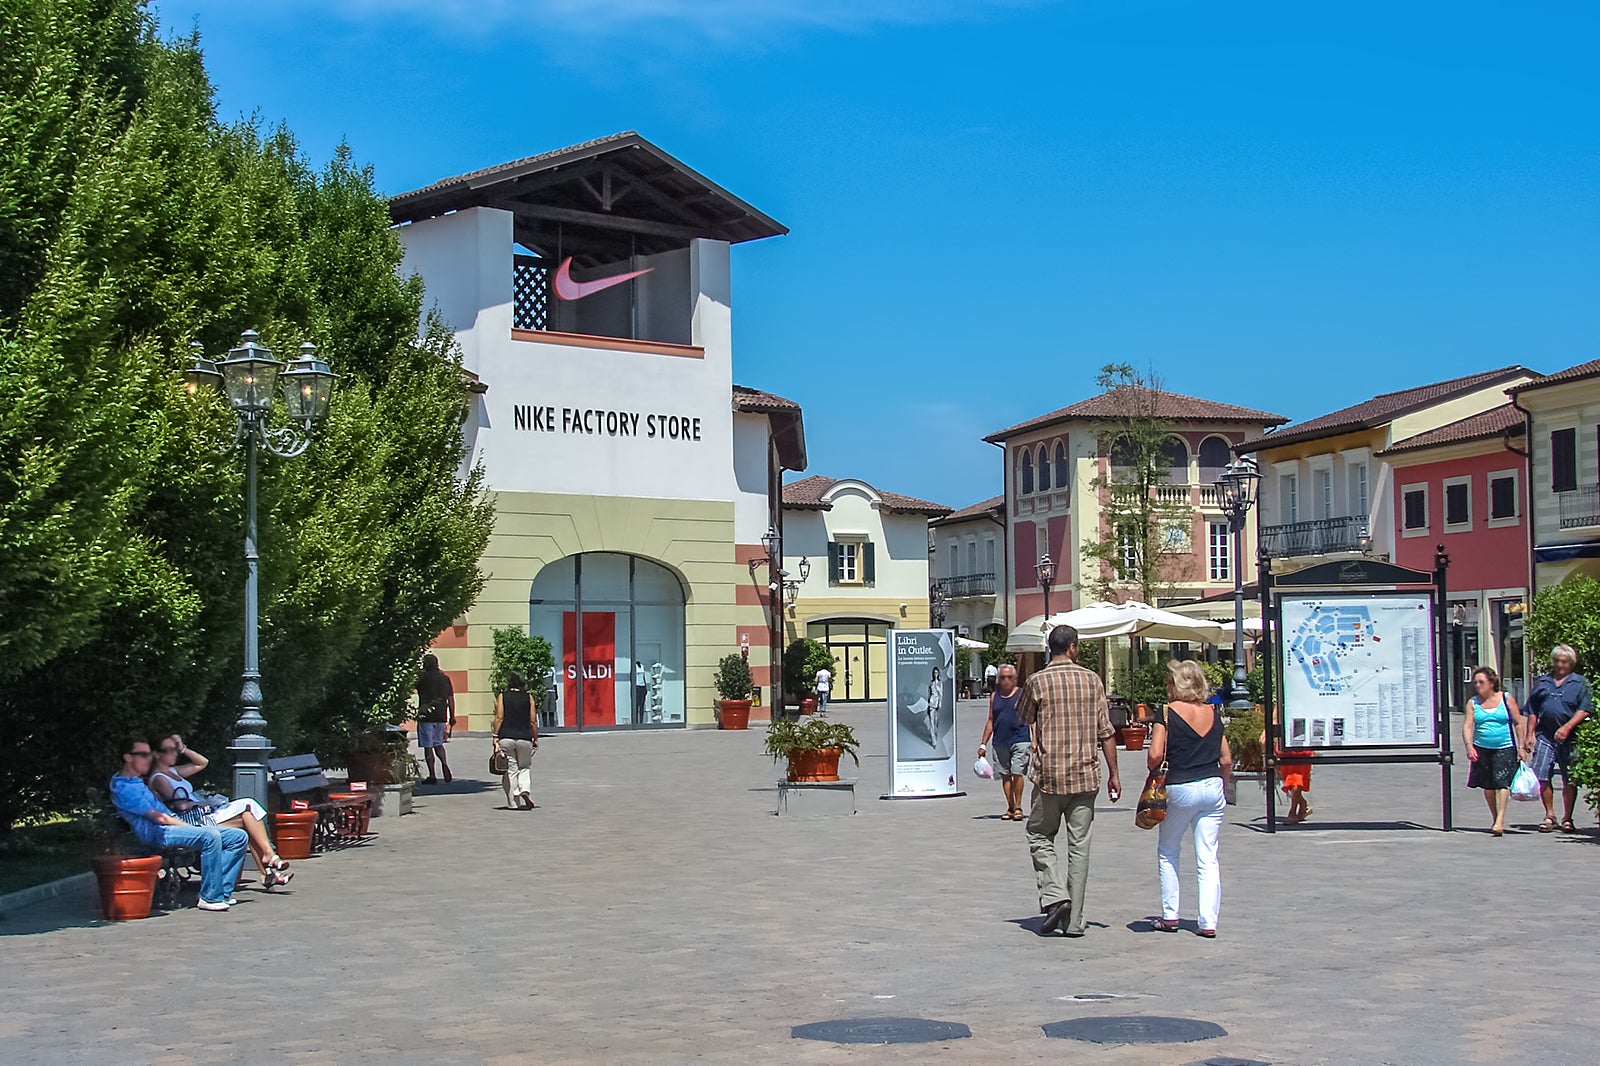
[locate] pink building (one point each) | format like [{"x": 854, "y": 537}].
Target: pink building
[{"x": 1464, "y": 485}]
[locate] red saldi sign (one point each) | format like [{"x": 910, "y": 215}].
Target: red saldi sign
[{"x": 595, "y": 668}]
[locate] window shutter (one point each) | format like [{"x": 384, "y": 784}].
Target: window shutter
[
  {"x": 833, "y": 563},
  {"x": 868, "y": 574}
]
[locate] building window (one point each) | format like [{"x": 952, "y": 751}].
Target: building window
[
  {"x": 1219, "y": 552},
  {"x": 1130, "y": 554},
  {"x": 1215, "y": 455},
  {"x": 1563, "y": 460},
  {"x": 1360, "y": 502},
  {"x": 988, "y": 551},
  {"x": 850, "y": 562},
  {"x": 1062, "y": 480},
  {"x": 1289, "y": 486},
  {"x": 1414, "y": 499},
  {"x": 1175, "y": 457},
  {"x": 1457, "y": 504},
  {"x": 1503, "y": 498},
  {"x": 1325, "y": 493},
  {"x": 955, "y": 559},
  {"x": 1044, "y": 470},
  {"x": 1027, "y": 471}
]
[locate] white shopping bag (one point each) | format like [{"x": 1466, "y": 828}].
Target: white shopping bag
[
  {"x": 1525, "y": 786},
  {"x": 982, "y": 768}
]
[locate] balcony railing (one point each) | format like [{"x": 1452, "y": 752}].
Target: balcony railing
[
  {"x": 1320, "y": 536},
  {"x": 1580, "y": 507},
  {"x": 967, "y": 586}
]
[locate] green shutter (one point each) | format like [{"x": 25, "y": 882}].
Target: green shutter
[
  {"x": 833, "y": 563},
  {"x": 868, "y": 573}
]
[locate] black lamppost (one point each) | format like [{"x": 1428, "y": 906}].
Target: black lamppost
[
  {"x": 1236, "y": 494},
  {"x": 1047, "y": 573},
  {"x": 247, "y": 378},
  {"x": 791, "y": 588},
  {"x": 938, "y": 599}
]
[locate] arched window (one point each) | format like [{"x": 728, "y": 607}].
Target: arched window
[
  {"x": 1124, "y": 460},
  {"x": 1215, "y": 455},
  {"x": 1062, "y": 480},
  {"x": 1044, "y": 470},
  {"x": 1027, "y": 471},
  {"x": 1175, "y": 457}
]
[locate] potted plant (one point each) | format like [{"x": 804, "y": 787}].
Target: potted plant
[
  {"x": 1147, "y": 688},
  {"x": 733, "y": 685},
  {"x": 370, "y": 756},
  {"x": 812, "y": 745},
  {"x": 801, "y": 661},
  {"x": 127, "y": 882},
  {"x": 1243, "y": 733},
  {"x": 406, "y": 773}
]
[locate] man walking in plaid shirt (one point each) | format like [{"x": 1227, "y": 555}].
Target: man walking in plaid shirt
[{"x": 1065, "y": 705}]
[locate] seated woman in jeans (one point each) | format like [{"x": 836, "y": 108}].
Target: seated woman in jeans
[{"x": 1191, "y": 743}]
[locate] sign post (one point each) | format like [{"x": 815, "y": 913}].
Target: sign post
[
  {"x": 922, "y": 714},
  {"x": 1356, "y": 667}
]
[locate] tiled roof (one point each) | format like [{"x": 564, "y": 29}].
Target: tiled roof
[
  {"x": 807, "y": 495},
  {"x": 1572, "y": 373},
  {"x": 1169, "y": 405},
  {"x": 756, "y": 401},
  {"x": 1383, "y": 409},
  {"x": 995, "y": 506},
  {"x": 783, "y": 415},
  {"x": 1499, "y": 422}
]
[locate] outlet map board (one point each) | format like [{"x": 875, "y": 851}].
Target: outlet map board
[{"x": 1358, "y": 670}]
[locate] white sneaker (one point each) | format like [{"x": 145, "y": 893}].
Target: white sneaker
[{"x": 207, "y": 905}]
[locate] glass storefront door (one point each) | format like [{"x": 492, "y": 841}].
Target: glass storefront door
[
  {"x": 860, "y": 646},
  {"x": 616, "y": 623}
]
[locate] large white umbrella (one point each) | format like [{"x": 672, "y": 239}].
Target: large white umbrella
[
  {"x": 970, "y": 644},
  {"x": 1130, "y": 619}
]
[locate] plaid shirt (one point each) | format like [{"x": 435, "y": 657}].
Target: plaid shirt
[{"x": 1066, "y": 705}]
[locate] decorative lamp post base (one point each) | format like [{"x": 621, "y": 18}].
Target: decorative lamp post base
[{"x": 250, "y": 755}]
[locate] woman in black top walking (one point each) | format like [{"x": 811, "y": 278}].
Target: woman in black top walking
[
  {"x": 1191, "y": 743},
  {"x": 516, "y": 734}
]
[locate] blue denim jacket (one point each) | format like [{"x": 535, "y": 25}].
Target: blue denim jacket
[{"x": 132, "y": 798}]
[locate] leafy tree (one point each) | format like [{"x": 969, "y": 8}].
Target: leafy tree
[
  {"x": 1569, "y": 613},
  {"x": 996, "y": 652},
  {"x": 801, "y": 661},
  {"x": 1134, "y": 550},
  {"x": 530, "y": 656},
  {"x": 132, "y": 221}
]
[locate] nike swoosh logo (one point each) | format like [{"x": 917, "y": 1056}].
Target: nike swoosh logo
[{"x": 567, "y": 289}]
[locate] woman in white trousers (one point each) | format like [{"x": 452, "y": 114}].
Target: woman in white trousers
[
  {"x": 1191, "y": 743},
  {"x": 516, "y": 734}
]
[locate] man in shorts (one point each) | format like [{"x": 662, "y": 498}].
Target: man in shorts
[
  {"x": 1557, "y": 703},
  {"x": 1012, "y": 748},
  {"x": 436, "y": 713}
]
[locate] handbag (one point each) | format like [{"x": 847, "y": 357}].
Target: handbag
[
  {"x": 1153, "y": 800},
  {"x": 498, "y": 763}
]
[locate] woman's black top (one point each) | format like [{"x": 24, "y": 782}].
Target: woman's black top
[
  {"x": 516, "y": 715},
  {"x": 1192, "y": 756}
]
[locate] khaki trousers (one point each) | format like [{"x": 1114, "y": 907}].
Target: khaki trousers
[
  {"x": 1044, "y": 822},
  {"x": 518, "y": 777}
]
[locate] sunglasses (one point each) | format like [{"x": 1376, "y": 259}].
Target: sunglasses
[
  {"x": 167, "y": 749},
  {"x": 145, "y": 754}
]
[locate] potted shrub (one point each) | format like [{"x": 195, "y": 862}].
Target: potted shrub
[
  {"x": 1147, "y": 688},
  {"x": 801, "y": 661},
  {"x": 733, "y": 685},
  {"x": 127, "y": 882},
  {"x": 1243, "y": 733},
  {"x": 812, "y": 746}
]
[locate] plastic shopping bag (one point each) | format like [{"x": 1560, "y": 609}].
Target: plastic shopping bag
[
  {"x": 1525, "y": 786},
  {"x": 982, "y": 768}
]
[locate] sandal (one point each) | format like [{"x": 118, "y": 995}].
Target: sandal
[
  {"x": 1165, "y": 925},
  {"x": 1567, "y": 826},
  {"x": 1548, "y": 825},
  {"x": 277, "y": 862}
]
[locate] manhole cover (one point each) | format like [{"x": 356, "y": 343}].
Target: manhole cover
[
  {"x": 881, "y": 1031},
  {"x": 1134, "y": 1030},
  {"x": 1229, "y": 1060},
  {"x": 1093, "y": 997}
]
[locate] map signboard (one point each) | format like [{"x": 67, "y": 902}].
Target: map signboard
[{"x": 1357, "y": 670}]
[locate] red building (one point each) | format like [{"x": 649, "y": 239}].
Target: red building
[{"x": 1464, "y": 485}]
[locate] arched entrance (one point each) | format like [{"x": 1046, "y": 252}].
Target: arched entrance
[
  {"x": 860, "y": 646},
  {"x": 616, "y": 623}
]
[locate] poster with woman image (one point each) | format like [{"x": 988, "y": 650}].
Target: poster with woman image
[{"x": 922, "y": 713}]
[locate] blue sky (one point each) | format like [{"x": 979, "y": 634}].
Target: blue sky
[{"x": 1292, "y": 206}]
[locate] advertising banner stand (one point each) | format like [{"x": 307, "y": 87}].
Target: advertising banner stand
[
  {"x": 1354, "y": 655},
  {"x": 922, "y": 714}
]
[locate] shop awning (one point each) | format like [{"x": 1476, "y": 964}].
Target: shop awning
[{"x": 1560, "y": 553}]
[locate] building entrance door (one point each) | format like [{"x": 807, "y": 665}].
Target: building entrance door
[{"x": 860, "y": 647}]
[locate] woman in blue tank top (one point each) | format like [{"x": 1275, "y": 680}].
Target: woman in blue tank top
[{"x": 1493, "y": 728}]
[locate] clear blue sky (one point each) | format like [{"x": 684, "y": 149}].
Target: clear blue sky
[{"x": 1287, "y": 205}]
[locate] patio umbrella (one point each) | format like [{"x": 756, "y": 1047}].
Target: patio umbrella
[
  {"x": 970, "y": 644},
  {"x": 1130, "y": 619}
]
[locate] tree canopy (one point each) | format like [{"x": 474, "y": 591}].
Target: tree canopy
[{"x": 133, "y": 221}]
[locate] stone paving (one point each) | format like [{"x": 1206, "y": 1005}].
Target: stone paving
[{"x": 654, "y": 910}]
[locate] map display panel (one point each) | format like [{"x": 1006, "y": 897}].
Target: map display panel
[{"x": 1358, "y": 671}]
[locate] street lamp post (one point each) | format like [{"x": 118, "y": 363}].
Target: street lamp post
[
  {"x": 247, "y": 378},
  {"x": 938, "y": 599},
  {"x": 1047, "y": 573},
  {"x": 1236, "y": 494}
]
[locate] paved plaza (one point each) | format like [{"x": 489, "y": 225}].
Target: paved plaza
[{"x": 653, "y": 909}]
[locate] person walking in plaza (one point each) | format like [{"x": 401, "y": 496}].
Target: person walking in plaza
[
  {"x": 824, "y": 683},
  {"x": 991, "y": 677},
  {"x": 436, "y": 714},
  {"x": 170, "y": 782},
  {"x": 1496, "y": 738},
  {"x": 1558, "y": 702},
  {"x": 516, "y": 734},
  {"x": 1012, "y": 749},
  {"x": 1065, "y": 706},
  {"x": 1189, "y": 740},
  {"x": 222, "y": 851}
]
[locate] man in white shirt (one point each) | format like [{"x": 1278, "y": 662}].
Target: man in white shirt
[
  {"x": 991, "y": 676},
  {"x": 824, "y": 686}
]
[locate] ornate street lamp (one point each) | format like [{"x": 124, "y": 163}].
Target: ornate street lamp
[
  {"x": 248, "y": 379},
  {"x": 1047, "y": 573},
  {"x": 1236, "y": 494},
  {"x": 937, "y": 601}
]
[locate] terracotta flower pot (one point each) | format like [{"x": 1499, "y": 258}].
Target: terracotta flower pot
[
  {"x": 808, "y": 705},
  {"x": 292, "y": 833},
  {"x": 733, "y": 714},
  {"x": 360, "y": 824},
  {"x": 820, "y": 765},
  {"x": 127, "y": 885},
  {"x": 1133, "y": 737}
]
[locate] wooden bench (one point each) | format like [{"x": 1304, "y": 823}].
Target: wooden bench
[{"x": 340, "y": 821}]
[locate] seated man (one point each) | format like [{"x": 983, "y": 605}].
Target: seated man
[{"x": 222, "y": 851}]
